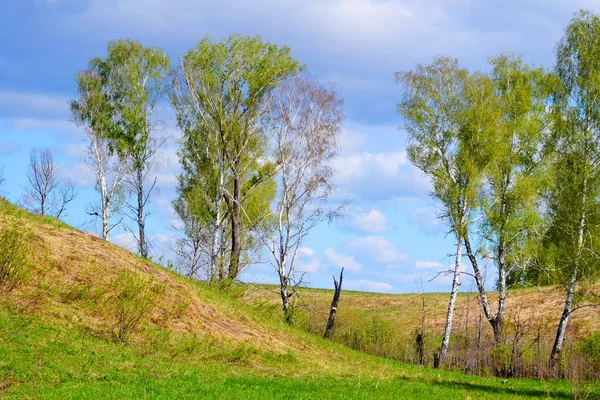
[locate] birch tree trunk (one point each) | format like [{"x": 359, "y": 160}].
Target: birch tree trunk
[
  {"x": 214, "y": 250},
  {"x": 451, "y": 303},
  {"x": 142, "y": 243},
  {"x": 483, "y": 298},
  {"x": 559, "y": 341}
]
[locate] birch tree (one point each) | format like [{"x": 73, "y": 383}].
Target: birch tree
[
  {"x": 306, "y": 120},
  {"x": 448, "y": 115},
  {"x": 220, "y": 101},
  {"x": 573, "y": 199},
  {"x": 93, "y": 112},
  {"x": 509, "y": 198},
  {"x": 137, "y": 76}
]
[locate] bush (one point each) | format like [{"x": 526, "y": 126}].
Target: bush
[
  {"x": 375, "y": 336},
  {"x": 590, "y": 347},
  {"x": 14, "y": 249},
  {"x": 502, "y": 359},
  {"x": 135, "y": 297}
]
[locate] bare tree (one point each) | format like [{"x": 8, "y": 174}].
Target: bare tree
[
  {"x": 2, "y": 179},
  {"x": 45, "y": 194},
  {"x": 141, "y": 166},
  {"x": 306, "y": 119},
  {"x": 194, "y": 249}
]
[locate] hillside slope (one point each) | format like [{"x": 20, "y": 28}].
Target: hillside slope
[
  {"x": 537, "y": 310},
  {"x": 59, "y": 337}
]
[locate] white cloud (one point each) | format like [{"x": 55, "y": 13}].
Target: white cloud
[
  {"x": 351, "y": 140},
  {"x": 33, "y": 105},
  {"x": 342, "y": 261},
  {"x": 378, "y": 176},
  {"x": 307, "y": 261},
  {"x": 125, "y": 240},
  {"x": 78, "y": 173},
  {"x": 428, "y": 265},
  {"x": 369, "y": 286},
  {"x": 428, "y": 221},
  {"x": 305, "y": 251},
  {"x": 377, "y": 249},
  {"x": 62, "y": 127},
  {"x": 443, "y": 273},
  {"x": 373, "y": 221}
]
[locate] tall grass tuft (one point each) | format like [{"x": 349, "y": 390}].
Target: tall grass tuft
[
  {"x": 15, "y": 246},
  {"x": 134, "y": 299}
]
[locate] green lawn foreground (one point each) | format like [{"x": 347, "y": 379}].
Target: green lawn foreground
[{"x": 39, "y": 360}]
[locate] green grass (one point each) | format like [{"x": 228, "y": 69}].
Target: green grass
[
  {"x": 42, "y": 360},
  {"x": 56, "y": 341}
]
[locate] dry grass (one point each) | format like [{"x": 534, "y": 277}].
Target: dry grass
[
  {"x": 536, "y": 310},
  {"x": 72, "y": 278}
]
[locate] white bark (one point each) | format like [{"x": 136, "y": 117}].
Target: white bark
[
  {"x": 568, "y": 308},
  {"x": 109, "y": 174},
  {"x": 451, "y": 302}
]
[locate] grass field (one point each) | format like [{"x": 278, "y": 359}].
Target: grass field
[{"x": 58, "y": 338}]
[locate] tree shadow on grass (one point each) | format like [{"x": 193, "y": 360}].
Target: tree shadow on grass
[{"x": 554, "y": 393}]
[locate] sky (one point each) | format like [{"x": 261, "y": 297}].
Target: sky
[{"x": 390, "y": 239}]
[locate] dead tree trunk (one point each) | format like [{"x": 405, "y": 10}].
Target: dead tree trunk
[{"x": 334, "y": 304}]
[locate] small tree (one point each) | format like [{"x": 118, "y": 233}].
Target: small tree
[
  {"x": 2, "y": 179},
  {"x": 93, "y": 110},
  {"x": 306, "y": 120},
  {"x": 136, "y": 80},
  {"x": 193, "y": 249},
  {"x": 45, "y": 194}
]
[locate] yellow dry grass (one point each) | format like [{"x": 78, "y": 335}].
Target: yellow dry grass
[
  {"x": 532, "y": 310},
  {"x": 71, "y": 281}
]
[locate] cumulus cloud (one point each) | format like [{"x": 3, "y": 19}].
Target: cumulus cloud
[
  {"x": 442, "y": 272},
  {"x": 378, "y": 176},
  {"x": 428, "y": 220},
  {"x": 33, "y": 105},
  {"x": 376, "y": 249},
  {"x": 342, "y": 261},
  {"x": 368, "y": 286},
  {"x": 373, "y": 221},
  {"x": 78, "y": 173},
  {"x": 125, "y": 240},
  {"x": 307, "y": 261}
]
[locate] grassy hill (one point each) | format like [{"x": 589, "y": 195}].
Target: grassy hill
[
  {"x": 91, "y": 320},
  {"x": 531, "y": 313}
]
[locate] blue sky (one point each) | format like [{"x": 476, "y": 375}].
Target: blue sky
[{"x": 390, "y": 239}]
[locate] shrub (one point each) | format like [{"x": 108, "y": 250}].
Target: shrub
[
  {"x": 15, "y": 245},
  {"x": 590, "y": 347},
  {"x": 135, "y": 297}
]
